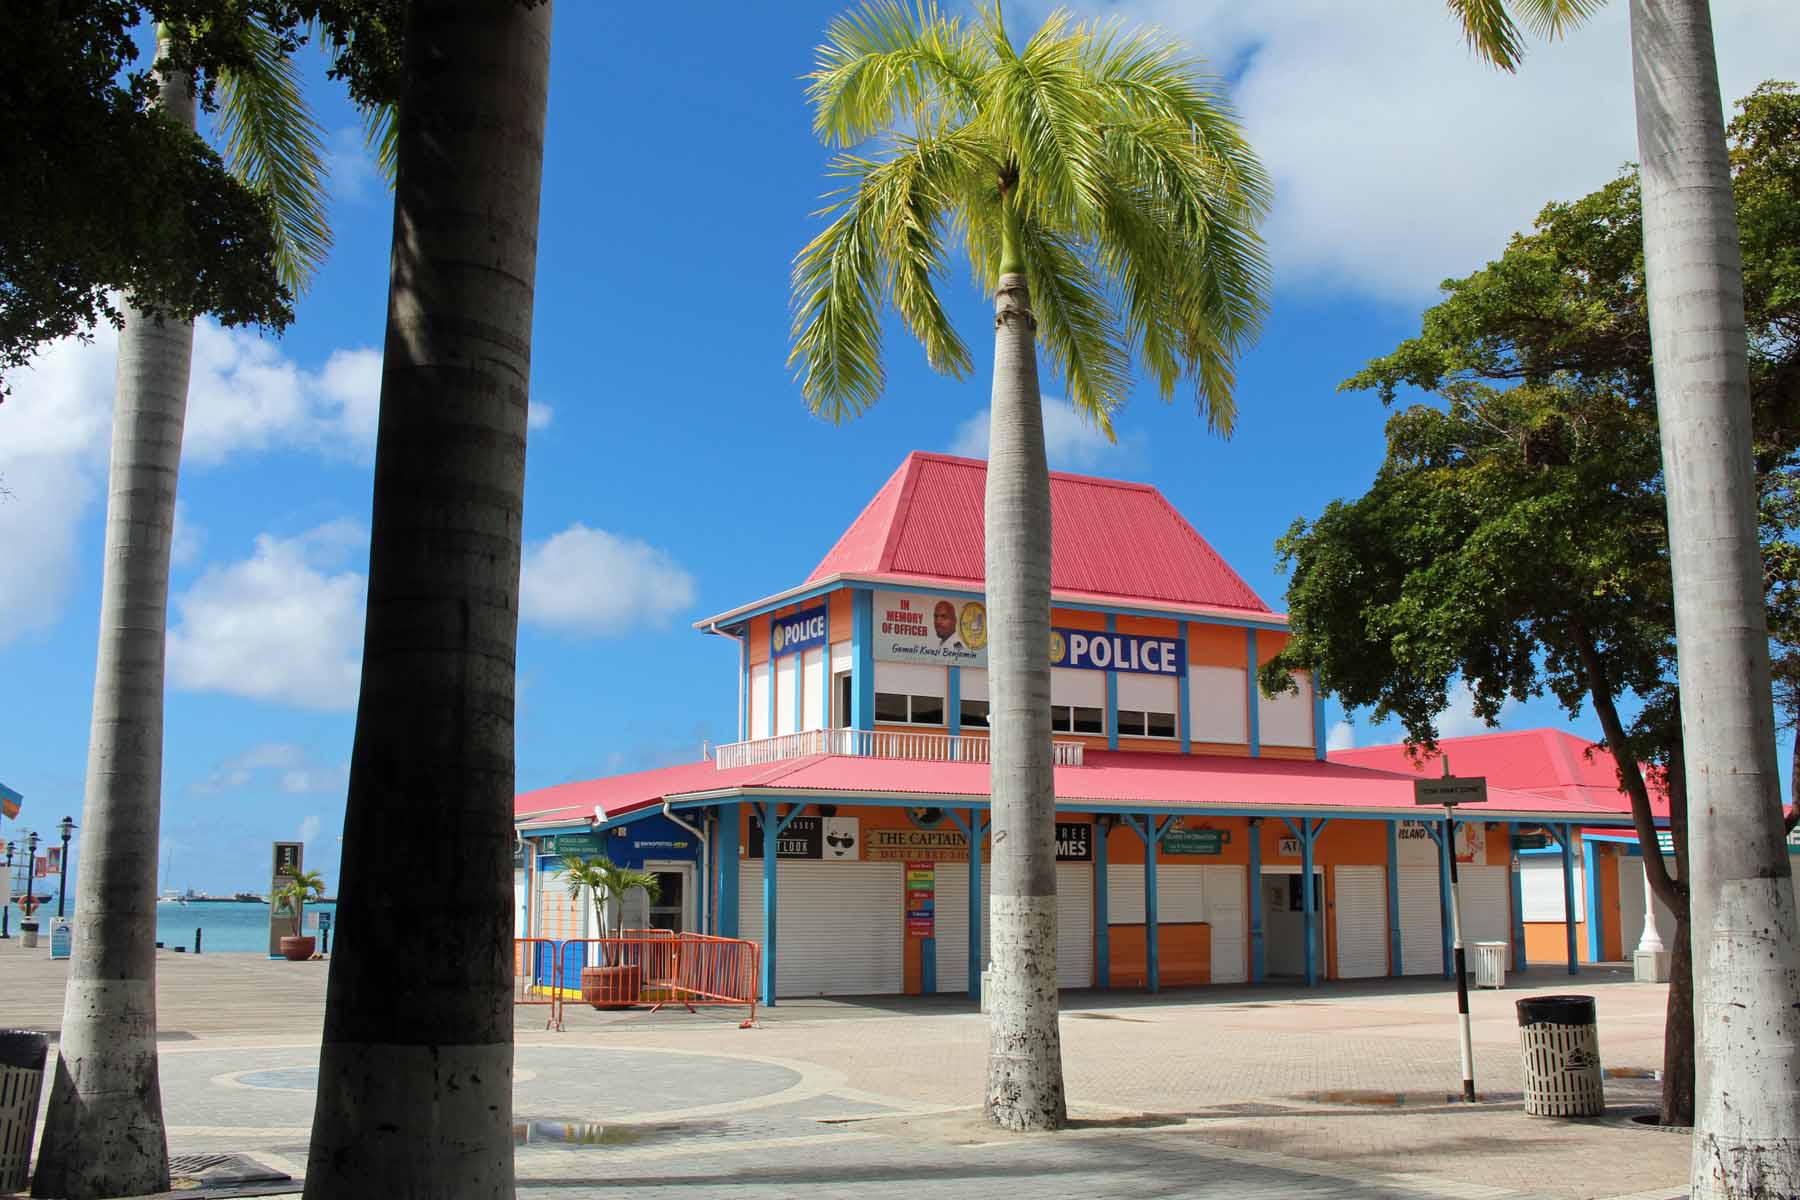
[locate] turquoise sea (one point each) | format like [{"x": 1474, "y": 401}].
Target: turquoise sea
[{"x": 229, "y": 928}]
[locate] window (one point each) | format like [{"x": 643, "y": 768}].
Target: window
[
  {"x": 1077, "y": 718},
  {"x": 894, "y": 708},
  {"x": 974, "y": 714},
  {"x": 1138, "y": 723}
]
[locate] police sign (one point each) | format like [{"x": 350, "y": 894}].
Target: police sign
[
  {"x": 1091, "y": 650},
  {"x": 801, "y": 631}
]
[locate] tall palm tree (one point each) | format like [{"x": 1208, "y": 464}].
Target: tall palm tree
[
  {"x": 415, "y": 1075},
  {"x": 103, "y": 1131},
  {"x": 1740, "y": 894},
  {"x": 1101, "y": 191}
]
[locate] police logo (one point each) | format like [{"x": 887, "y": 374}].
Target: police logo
[
  {"x": 780, "y": 636},
  {"x": 973, "y": 624},
  {"x": 1059, "y": 648}
]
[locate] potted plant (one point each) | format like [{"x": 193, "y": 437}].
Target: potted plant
[
  {"x": 614, "y": 981},
  {"x": 291, "y": 897}
]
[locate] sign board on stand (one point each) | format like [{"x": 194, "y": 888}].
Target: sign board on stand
[
  {"x": 921, "y": 899},
  {"x": 286, "y": 861},
  {"x": 1450, "y": 791},
  {"x": 62, "y": 936}
]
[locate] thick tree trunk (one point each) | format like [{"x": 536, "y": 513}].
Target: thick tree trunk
[
  {"x": 103, "y": 1131},
  {"x": 1025, "y": 1081},
  {"x": 415, "y": 1078},
  {"x": 1677, "y": 1105},
  {"x": 1741, "y": 890}
]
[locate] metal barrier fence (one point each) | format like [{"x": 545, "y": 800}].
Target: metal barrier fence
[
  {"x": 653, "y": 967},
  {"x": 537, "y": 976}
]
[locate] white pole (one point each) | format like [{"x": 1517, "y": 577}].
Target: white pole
[{"x": 1651, "y": 942}]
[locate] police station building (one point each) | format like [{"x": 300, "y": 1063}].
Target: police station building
[{"x": 1202, "y": 835}]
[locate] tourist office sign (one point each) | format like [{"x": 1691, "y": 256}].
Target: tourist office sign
[{"x": 286, "y": 861}]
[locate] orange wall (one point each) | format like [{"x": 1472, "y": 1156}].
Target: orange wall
[
  {"x": 1544, "y": 942},
  {"x": 1611, "y": 935},
  {"x": 1217, "y": 646},
  {"x": 838, "y": 615},
  {"x": 1268, "y": 645},
  {"x": 1183, "y": 955},
  {"x": 1077, "y": 618},
  {"x": 759, "y": 639}
]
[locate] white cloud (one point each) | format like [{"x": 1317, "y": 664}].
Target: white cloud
[
  {"x": 187, "y": 539},
  {"x": 590, "y": 581},
  {"x": 275, "y": 764},
  {"x": 279, "y": 626},
  {"x": 245, "y": 394},
  {"x": 1458, "y": 718},
  {"x": 355, "y": 174},
  {"x": 538, "y": 416},
  {"x": 1070, "y": 440},
  {"x": 1341, "y": 737},
  {"x": 309, "y": 828},
  {"x": 1398, "y": 158}
]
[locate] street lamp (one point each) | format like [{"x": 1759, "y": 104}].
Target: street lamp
[
  {"x": 29, "y": 904},
  {"x": 62, "y": 878},
  {"x": 6, "y": 909}
]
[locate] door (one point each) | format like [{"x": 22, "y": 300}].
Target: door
[
  {"x": 841, "y": 926},
  {"x": 1225, "y": 898},
  {"x": 1284, "y": 921},
  {"x": 1421, "y": 922},
  {"x": 674, "y": 908},
  {"x": 1361, "y": 922}
]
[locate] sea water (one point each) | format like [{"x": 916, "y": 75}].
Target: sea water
[{"x": 227, "y": 928}]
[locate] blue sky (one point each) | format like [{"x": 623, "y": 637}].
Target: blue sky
[{"x": 672, "y": 470}]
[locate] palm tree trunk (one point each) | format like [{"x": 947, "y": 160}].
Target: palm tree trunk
[
  {"x": 1025, "y": 1082},
  {"x": 1746, "y": 961},
  {"x": 103, "y": 1130},
  {"x": 415, "y": 1075}
]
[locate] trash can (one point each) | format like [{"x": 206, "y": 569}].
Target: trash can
[
  {"x": 1490, "y": 964},
  {"x": 1561, "y": 1045},
  {"x": 28, "y": 931},
  {"x": 22, "y": 1057}
]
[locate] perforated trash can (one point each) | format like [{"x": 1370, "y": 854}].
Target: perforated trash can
[
  {"x": 1490, "y": 964},
  {"x": 1561, "y": 1045},
  {"x": 22, "y": 1057}
]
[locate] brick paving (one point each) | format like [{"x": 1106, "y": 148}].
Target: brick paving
[{"x": 1240, "y": 1092}]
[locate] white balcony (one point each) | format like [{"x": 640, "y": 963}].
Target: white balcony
[{"x": 871, "y": 743}]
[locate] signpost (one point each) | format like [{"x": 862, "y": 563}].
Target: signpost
[
  {"x": 286, "y": 858},
  {"x": 1449, "y": 792}
]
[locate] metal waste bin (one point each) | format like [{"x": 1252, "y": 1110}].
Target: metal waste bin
[
  {"x": 1490, "y": 964},
  {"x": 22, "y": 1057},
  {"x": 1561, "y": 1045}
]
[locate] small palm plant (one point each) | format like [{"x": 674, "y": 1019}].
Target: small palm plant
[
  {"x": 607, "y": 883},
  {"x": 293, "y": 895}
]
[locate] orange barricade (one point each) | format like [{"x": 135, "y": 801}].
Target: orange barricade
[
  {"x": 656, "y": 967},
  {"x": 537, "y": 976}
]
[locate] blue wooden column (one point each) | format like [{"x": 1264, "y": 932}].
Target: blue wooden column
[
  {"x": 1112, "y": 694},
  {"x": 1518, "y": 898},
  {"x": 1444, "y": 835},
  {"x": 953, "y": 703},
  {"x": 1257, "y": 970},
  {"x": 1306, "y": 831},
  {"x": 772, "y": 829},
  {"x": 1565, "y": 836},
  {"x": 1151, "y": 830},
  {"x": 1102, "y": 918},
  {"x": 1250, "y": 698},
  {"x": 862, "y": 656},
  {"x": 974, "y": 828},
  {"x": 1596, "y": 919},
  {"x": 1396, "y": 962},
  {"x": 726, "y": 842}
]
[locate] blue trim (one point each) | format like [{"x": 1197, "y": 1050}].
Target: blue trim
[
  {"x": 974, "y": 829},
  {"x": 1397, "y": 963},
  {"x": 1518, "y": 899},
  {"x": 953, "y": 703},
  {"x": 1102, "y": 932},
  {"x": 1307, "y": 831},
  {"x": 928, "y": 966},
  {"x": 1596, "y": 920},
  {"x": 1112, "y": 694},
  {"x": 1318, "y": 718},
  {"x": 1250, "y": 705},
  {"x": 1568, "y": 865},
  {"x": 744, "y": 618},
  {"x": 743, "y": 688},
  {"x": 1444, "y": 835},
  {"x": 1183, "y": 700},
  {"x": 862, "y": 654},
  {"x": 1257, "y": 972},
  {"x": 1152, "y": 918},
  {"x": 773, "y": 827},
  {"x": 725, "y": 908}
]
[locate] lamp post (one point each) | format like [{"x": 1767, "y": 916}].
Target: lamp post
[
  {"x": 29, "y": 904},
  {"x": 6, "y": 909},
  {"x": 62, "y": 877}
]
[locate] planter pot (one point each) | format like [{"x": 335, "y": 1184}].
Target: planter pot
[
  {"x": 612, "y": 987},
  {"x": 297, "y": 949}
]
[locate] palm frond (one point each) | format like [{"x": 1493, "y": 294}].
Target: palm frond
[
  {"x": 890, "y": 61},
  {"x": 1076, "y": 324},
  {"x": 836, "y": 283},
  {"x": 273, "y": 144},
  {"x": 381, "y": 136},
  {"x": 1490, "y": 30},
  {"x": 1039, "y": 104},
  {"x": 1551, "y": 19}
]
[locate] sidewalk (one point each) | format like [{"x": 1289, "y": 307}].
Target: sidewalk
[{"x": 1240, "y": 1092}]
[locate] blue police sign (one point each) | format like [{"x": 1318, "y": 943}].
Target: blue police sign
[
  {"x": 1092, "y": 650},
  {"x": 801, "y": 631}
]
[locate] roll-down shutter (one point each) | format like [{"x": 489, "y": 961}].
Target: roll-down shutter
[
  {"x": 841, "y": 926},
  {"x": 1361, "y": 922},
  {"x": 1486, "y": 903},
  {"x": 1421, "y": 922}
]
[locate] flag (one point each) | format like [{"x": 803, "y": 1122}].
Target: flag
[
  {"x": 10, "y": 802},
  {"x": 42, "y": 868},
  {"x": 54, "y": 854}
]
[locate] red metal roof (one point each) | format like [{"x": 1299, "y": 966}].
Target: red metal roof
[
  {"x": 1552, "y": 762},
  {"x": 1110, "y": 539},
  {"x": 1116, "y": 779}
]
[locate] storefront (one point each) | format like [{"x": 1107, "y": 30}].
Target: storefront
[{"x": 1202, "y": 835}]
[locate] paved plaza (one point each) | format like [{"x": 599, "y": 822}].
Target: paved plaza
[{"x": 1230, "y": 1092}]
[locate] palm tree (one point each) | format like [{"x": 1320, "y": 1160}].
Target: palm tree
[
  {"x": 607, "y": 886},
  {"x": 103, "y": 1131},
  {"x": 415, "y": 1075},
  {"x": 1740, "y": 894},
  {"x": 1101, "y": 191},
  {"x": 292, "y": 896}
]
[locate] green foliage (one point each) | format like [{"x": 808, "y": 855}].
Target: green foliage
[
  {"x": 1493, "y": 32},
  {"x": 1515, "y": 535},
  {"x": 293, "y": 895},
  {"x": 1101, "y": 162},
  {"x": 603, "y": 881}
]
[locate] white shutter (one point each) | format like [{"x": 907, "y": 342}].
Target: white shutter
[
  {"x": 842, "y": 658},
  {"x": 1486, "y": 903},
  {"x": 813, "y": 690},
  {"x": 952, "y": 907},
  {"x": 1225, "y": 911},
  {"x": 841, "y": 926},
  {"x": 1541, "y": 886},
  {"x": 910, "y": 679},
  {"x": 1361, "y": 922},
  {"x": 972, "y": 683},
  {"x": 1421, "y": 928},
  {"x": 1287, "y": 719},
  {"x": 1125, "y": 894},
  {"x": 1151, "y": 693},
  {"x": 1084, "y": 688},
  {"x": 1180, "y": 893},
  {"x": 1218, "y": 699},
  {"x": 759, "y": 701},
  {"x": 1074, "y": 924},
  {"x": 787, "y": 680}
]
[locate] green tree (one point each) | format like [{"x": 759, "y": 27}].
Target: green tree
[
  {"x": 606, "y": 885},
  {"x": 1100, "y": 190},
  {"x": 1516, "y": 535},
  {"x": 291, "y": 897},
  {"x": 1741, "y": 890}
]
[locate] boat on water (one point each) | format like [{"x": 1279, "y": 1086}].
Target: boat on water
[{"x": 249, "y": 898}]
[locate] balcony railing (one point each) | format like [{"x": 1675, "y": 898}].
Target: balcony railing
[{"x": 873, "y": 743}]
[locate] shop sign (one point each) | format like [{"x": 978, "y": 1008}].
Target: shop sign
[
  {"x": 286, "y": 860},
  {"x": 1287, "y": 848},
  {"x": 577, "y": 845},
  {"x": 1418, "y": 848},
  {"x": 1182, "y": 840},
  {"x": 800, "y": 631},
  {"x": 1074, "y": 841},
  {"x": 921, "y": 899},
  {"x": 923, "y": 845},
  {"x": 828, "y": 839},
  {"x": 920, "y": 627},
  {"x": 1091, "y": 650}
]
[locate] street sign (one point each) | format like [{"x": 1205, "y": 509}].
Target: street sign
[{"x": 1451, "y": 790}]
